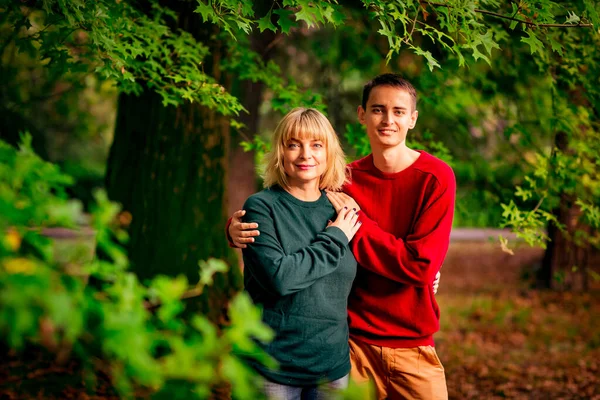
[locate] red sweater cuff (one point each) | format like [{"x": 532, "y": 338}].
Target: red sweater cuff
[{"x": 229, "y": 240}]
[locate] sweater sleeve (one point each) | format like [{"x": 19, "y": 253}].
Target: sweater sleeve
[
  {"x": 416, "y": 259},
  {"x": 228, "y": 236},
  {"x": 280, "y": 273}
]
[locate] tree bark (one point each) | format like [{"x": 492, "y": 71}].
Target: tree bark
[
  {"x": 566, "y": 260},
  {"x": 168, "y": 167},
  {"x": 242, "y": 181},
  {"x": 554, "y": 249}
]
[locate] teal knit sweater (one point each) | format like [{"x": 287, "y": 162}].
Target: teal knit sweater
[{"x": 301, "y": 273}]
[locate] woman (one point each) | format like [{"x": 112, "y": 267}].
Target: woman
[{"x": 300, "y": 269}]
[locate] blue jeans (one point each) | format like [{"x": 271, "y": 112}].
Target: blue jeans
[{"x": 277, "y": 391}]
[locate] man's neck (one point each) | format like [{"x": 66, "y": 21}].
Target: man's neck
[{"x": 394, "y": 159}]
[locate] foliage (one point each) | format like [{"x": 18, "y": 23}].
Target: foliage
[
  {"x": 562, "y": 175},
  {"x": 141, "y": 334},
  {"x": 489, "y": 107},
  {"x": 137, "y": 48},
  {"x": 69, "y": 114},
  {"x": 133, "y": 47}
]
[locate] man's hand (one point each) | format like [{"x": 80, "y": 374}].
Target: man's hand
[
  {"x": 242, "y": 233},
  {"x": 436, "y": 282},
  {"x": 341, "y": 200}
]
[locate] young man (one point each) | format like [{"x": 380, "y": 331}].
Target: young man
[{"x": 406, "y": 202}]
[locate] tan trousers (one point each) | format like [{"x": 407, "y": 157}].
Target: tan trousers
[{"x": 413, "y": 373}]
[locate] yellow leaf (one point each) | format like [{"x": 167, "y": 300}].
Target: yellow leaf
[
  {"x": 13, "y": 239},
  {"x": 19, "y": 266}
]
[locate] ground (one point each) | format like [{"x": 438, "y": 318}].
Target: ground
[{"x": 500, "y": 339}]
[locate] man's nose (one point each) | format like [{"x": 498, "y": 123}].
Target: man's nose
[{"x": 387, "y": 117}]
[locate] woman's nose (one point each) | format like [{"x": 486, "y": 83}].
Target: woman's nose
[{"x": 306, "y": 152}]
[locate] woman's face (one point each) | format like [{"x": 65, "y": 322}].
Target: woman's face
[{"x": 304, "y": 161}]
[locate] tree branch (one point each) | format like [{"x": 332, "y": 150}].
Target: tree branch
[{"x": 501, "y": 16}]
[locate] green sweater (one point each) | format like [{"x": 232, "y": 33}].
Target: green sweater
[{"x": 301, "y": 274}]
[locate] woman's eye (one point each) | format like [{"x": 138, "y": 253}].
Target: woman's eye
[{"x": 318, "y": 145}]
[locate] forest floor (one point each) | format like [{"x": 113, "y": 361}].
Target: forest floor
[{"x": 501, "y": 339}]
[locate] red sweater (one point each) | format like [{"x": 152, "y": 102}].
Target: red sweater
[{"x": 407, "y": 217}]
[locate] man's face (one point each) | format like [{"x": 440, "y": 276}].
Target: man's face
[{"x": 388, "y": 116}]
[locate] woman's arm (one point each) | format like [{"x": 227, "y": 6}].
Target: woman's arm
[{"x": 282, "y": 274}]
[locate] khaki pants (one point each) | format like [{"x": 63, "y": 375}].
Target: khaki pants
[{"x": 413, "y": 373}]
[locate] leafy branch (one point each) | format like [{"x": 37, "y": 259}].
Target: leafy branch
[{"x": 507, "y": 17}]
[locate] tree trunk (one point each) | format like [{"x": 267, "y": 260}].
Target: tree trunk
[
  {"x": 566, "y": 259},
  {"x": 168, "y": 167},
  {"x": 243, "y": 180},
  {"x": 555, "y": 248}
]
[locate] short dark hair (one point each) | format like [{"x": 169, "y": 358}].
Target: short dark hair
[{"x": 394, "y": 80}]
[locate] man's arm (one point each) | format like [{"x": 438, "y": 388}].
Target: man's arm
[{"x": 416, "y": 259}]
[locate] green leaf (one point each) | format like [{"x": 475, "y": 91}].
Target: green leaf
[
  {"x": 515, "y": 11},
  {"x": 572, "y": 18},
  {"x": 557, "y": 47},
  {"x": 387, "y": 32},
  {"x": 209, "y": 268},
  {"x": 284, "y": 21},
  {"x": 488, "y": 42},
  {"x": 246, "y": 321},
  {"x": 524, "y": 194},
  {"x": 265, "y": 23},
  {"x": 207, "y": 12},
  {"x": 534, "y": 43},
  {"x": 431, "y": 62},
  {"x": 308, "y": 15}
]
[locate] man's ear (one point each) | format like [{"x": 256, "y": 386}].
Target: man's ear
[
  {"x": 360, "y": 111},
  {"x": 413, "y": 119}
]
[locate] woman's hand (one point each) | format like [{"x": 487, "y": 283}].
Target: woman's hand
[{"x": 347, "y": 221}]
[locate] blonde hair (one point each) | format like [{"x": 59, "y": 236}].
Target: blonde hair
[{"x": 305, "y": 123}]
